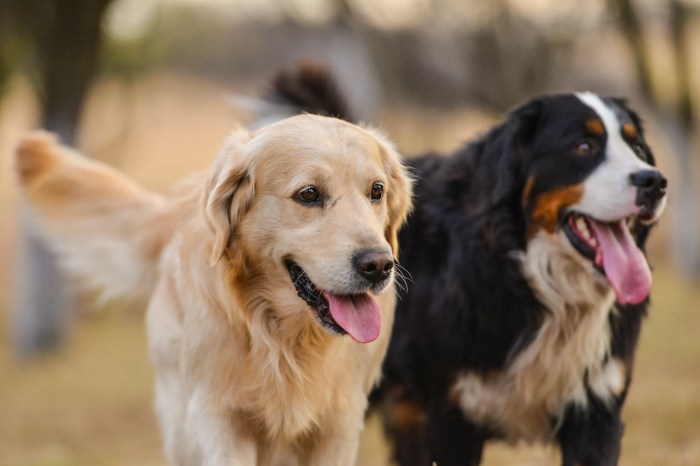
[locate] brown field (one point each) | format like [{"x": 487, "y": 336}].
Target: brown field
[{"x": 90, "y": 403}]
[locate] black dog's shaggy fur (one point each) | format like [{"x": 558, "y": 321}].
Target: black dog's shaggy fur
[
  {"x": 459, "y": 353},
  {"x": 471, "y": 309}
]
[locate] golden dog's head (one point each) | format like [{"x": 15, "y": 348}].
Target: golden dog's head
[{"x": 308, "y": 210}]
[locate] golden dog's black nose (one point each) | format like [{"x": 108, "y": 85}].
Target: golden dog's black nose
[{"x": 373, "y": 265}]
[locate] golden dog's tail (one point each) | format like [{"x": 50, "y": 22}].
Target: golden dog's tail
[{"x": 105, "y": 229}]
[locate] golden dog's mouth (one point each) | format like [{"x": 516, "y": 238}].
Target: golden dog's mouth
[{"x": 357, "y": 315}]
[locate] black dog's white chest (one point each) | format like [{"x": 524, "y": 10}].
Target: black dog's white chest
[{"x": 569, "y": 356}]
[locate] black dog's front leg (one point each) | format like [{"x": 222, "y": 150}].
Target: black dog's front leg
[
  {"x": 591, "y": 435},
  {"x": 404, "y": 421},
  {"x": 454, "y": 441}
]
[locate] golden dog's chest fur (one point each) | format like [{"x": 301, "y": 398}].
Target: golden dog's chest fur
[
  {"x": 245, "y": 373},
  {"x": 303, "y": 371}
]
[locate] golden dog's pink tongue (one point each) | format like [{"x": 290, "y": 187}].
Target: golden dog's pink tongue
[
  {"x": 623, "y": 262},
  {"x": 359, "y": 315}
]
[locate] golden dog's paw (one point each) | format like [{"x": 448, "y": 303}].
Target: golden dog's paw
[{"x": 35, "y": 154}]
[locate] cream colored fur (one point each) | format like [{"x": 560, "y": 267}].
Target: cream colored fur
[
  {"x": 245, "y": 375},
  {"x": 574, "y": 339}
]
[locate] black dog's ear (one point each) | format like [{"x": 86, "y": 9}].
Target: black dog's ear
[{"x": 509, "y": 144}]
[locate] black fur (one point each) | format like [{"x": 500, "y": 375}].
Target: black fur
[
  {"x": 310, "y": 88},
  {"x": 469, "y": 308}
]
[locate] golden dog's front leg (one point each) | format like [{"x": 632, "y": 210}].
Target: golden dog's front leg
[
  {"x": 338, "y": 440},
  {"x": 339, "y": 451},
  {"x": 221, "y": 438}
]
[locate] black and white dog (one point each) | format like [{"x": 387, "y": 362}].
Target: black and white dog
[{"x": 530, "y": 283}]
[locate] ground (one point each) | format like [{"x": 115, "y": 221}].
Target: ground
[{"x": 91, "y": 403}]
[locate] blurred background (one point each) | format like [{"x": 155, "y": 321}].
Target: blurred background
[{"x": 147, "y": 85}]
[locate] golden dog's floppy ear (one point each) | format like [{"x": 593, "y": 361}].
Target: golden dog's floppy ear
[
  {"x": 228, "y": 194},
  {"x": 399, "y": 192}
]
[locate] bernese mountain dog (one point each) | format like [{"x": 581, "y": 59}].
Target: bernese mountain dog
[{"x": 529, "y": 281}]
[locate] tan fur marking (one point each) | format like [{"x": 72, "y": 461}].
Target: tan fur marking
[
  {"x": 595, "y": 127},
  {"x": 629, "y": 130},
  {"x": 549, "y": 204},
  {"x": 407, "y": 415},
  {"x": 527, "y": 191}
]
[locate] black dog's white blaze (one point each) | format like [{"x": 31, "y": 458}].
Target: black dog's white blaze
[{"x": 608, "y": 194}]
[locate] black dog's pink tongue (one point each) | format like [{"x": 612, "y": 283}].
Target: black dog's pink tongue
[
  {"x": 623, "y": 262},
  {"x": 359, "y": 315}
]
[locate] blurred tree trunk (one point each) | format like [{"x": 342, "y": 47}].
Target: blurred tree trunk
[
  {"x": 678, "y": 121},
  {"x": 681, "y": 129},
  {"x": 65, "y": 36},
  {"x": 5, "y": 67}
]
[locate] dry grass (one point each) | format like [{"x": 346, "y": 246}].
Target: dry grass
[{"x": 90, "y": 404}]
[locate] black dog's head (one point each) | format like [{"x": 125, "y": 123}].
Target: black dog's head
[{"x": 579, "y": 174}]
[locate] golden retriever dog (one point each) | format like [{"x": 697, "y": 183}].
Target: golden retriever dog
[{"x": 254, "y": 275}]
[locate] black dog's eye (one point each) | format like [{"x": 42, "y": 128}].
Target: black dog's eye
[
  {"x": 308, "y": 195},
  {"x": 377, "y": 191},
  {"x": 584, "y": 148},
  {"x": 639, "y": 149}
]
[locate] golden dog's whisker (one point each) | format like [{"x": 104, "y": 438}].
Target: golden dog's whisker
[
  {"x": 405, "y": 274},
  {"x": 401, "y": 285},
  {"x": 401, "y": 280}
]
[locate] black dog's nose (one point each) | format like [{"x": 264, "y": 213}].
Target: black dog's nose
[
  {"x": 650, "y": 182},
  {"x": 373, "y": 265}
]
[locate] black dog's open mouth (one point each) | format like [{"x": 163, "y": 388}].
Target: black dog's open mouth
[
  {"x": 613, "y": 252},
  {"x": 581, "y": 236},
  {"x": 312, "y": 296}
]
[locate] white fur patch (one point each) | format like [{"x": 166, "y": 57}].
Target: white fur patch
[{"x": 608, "y": 380}]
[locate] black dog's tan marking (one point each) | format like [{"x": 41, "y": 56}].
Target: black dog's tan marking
[
  {"x": 530, "y": 286},
  {"x": 595, "y": 127},
  {"x": 546, "y": 210}
]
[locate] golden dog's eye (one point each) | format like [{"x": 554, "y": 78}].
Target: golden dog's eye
[
  {"x": 308, "y": 195},
  {"x": 377, "y": 191}
]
